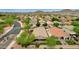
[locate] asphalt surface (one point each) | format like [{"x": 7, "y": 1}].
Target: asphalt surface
[{"x": 16, "y": 29}]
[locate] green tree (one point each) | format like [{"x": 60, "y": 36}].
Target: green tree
[
  {"x": 27, "y": 20},
  {"x": 25, "y": 39},
  {"x": 30, "y": 39},
  {"x": 77, "y": 19},
  {"x": 55, "y": 19},
  {"x": 38, "y": 23},
  {"x": 51, "y": 41},
  {"x": 26, "y": 28},
  {"x": 76, "y": 29},
  {"x": 56, "y": 24},
  {"x": 75, "y": 23}
]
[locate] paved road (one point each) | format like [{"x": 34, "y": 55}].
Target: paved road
[{"x": 14, "y": 31}]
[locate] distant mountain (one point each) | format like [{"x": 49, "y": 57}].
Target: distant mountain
[
  {"x": 42, "y": 11},
  {"x": 39, "y": 11},
  {"x": 70, "y": 10},
  {"x": 28, "y": 10},
  {"x": 67, "y": 10},
  {"x": 76, "y": 10}
]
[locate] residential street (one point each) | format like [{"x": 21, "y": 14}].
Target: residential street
[{"x": 13, "y": 32}]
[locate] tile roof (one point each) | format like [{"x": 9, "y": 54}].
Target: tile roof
[
  {"x": 40, "y": 33},
  {"x": 57, "y": 32}
]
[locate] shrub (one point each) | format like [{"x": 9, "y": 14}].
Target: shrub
[
  {"x": 51, "y": 41},
  {"x": 55, "y": 19},
  {"x": 56, "y": 24}
]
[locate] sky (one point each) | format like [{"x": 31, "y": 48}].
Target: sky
[{"x": 28, "y": 10}]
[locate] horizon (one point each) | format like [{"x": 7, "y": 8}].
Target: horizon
[{"x": 29, "y": 10}]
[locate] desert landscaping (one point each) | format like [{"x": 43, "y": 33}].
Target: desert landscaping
[{"x": 40, "y": 30}]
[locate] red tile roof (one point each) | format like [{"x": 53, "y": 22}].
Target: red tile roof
[{"x": 57, "y": 32}]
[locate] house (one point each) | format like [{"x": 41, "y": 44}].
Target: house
[
  {"x": 42, "y": 22},
  {"x": 62, "y": 19},
  {"x": 40, "y": 33},
  {"x": 66, "y": 20},
  {"x": 57, "y": 32},
  {"x": 33, "y": 20},
  {"x": 69, "y": 27},
  {"x": 47, "y": 18},
  {"x": 70, "y": 32},
  {"x": 49, "y": 23}
]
